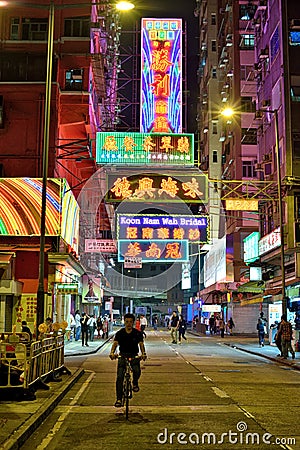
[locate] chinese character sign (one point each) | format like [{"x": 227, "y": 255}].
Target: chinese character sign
[
  {"x": 144, "y": 148},
  {"x": 165, "y": 187},
  {"x": 161, "y": 76},
  {"x": 194, "y": 228},
  {"x": 167, "y": 250}
]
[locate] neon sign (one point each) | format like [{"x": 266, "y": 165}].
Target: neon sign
[
  {"x": 166, "y": 250},
  {"x": 157, "y": 187},
  {"x": 161, "y": 76},
  {"x": 194, "y": 228},
  {"x": 144, "y": 148}
]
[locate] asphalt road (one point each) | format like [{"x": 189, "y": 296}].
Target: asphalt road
[{"x": 201, "y": 394}]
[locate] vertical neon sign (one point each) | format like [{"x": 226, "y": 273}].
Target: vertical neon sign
[{"x": 161, "y": 76}]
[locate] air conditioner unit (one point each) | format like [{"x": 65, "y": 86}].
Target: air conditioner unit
[
  {"x": 264, "y": 53},
  {"x": 258, "y": 167},
  {"x": 266, "y": 103},
  {"x": 295, "y": 24},
  {"x": 267, "y": 157}
]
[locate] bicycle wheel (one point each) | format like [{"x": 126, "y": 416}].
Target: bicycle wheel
[{"x": 127, "y": 397}]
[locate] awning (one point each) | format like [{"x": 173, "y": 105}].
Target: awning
[
  {"x": 5, "y": 259},
  {"x": 256, "y": 287}
]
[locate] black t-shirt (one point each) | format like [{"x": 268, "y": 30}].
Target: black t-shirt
[{"x": 128, "y": 342}]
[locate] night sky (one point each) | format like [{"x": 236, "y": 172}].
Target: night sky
[{"x": 178, "y": 9}]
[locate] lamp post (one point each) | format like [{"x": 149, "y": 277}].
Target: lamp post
[{"x": 228, "y": 112}]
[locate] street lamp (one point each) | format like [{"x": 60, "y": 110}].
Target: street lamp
[
  {"x": 121, "y": 6},
  {"x": 229, "y": 112}
]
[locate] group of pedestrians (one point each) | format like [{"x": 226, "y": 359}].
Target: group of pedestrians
[
  {"x": 177, "y": 326},
  {"x": 85, "y": 326},
  {"x": 217, "y": 325},
  {"x": 283, "y": 337}
]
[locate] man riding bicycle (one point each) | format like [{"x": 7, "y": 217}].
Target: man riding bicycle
[{"x": 129, "y": 340}]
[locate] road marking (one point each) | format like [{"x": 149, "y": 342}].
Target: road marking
[
  {"x": 51, "y": 435},
  {"x": 182, "y": 409},
  {"x": 219, "y": 392},
  {"x": 207, "y": 378}
]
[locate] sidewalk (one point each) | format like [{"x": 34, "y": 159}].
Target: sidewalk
[
  {"x": 250, "y": 345},
  {"x": 19, "y": 419}
]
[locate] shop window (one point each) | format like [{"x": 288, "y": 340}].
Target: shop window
[{"x": 73, "y": 80}]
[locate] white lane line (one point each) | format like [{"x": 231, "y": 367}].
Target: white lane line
[
  {"x": 219, "y": 392},
  {"x": 207, "y": 378},
  {"x": 46, "y": 441}
]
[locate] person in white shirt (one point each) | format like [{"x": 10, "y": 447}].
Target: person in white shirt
[{"x": 143, "y": 324}]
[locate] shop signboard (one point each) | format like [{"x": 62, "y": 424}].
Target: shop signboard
[
  {"x": 147, "y": 149},
  {"x": 157, "y": 187},
  {"x": 167, "y": 250},
  {"x": 194, "y": 228}
]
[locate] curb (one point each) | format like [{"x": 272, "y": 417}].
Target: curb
[
  {"x": 22, "y": 433},
  {"x": 271, "y": 358},
  {"x": 89, "y": 352}
]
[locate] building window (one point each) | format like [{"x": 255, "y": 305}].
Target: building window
[
  {"x": 297, "y": 205},
  {"x": 249, "y": 136},
  {"x": 78, "y": 27},
  {"x": 213, "y": 19},
  {"x": 214, "y": 72},
  {"x": 247, "y": 105},
  {"x": 249, "y": 169},
  {"x": 213, "y": 46},
  {"x": 14, "y": 28},
  {"x": 215, "y": 156},
  {"x": 247, "y": 41},
  {"x": 214, "y": 128},
  {"x": 73, "y": 80},
  {"x": 296, "y": 148},
  {"x": 34, "y": 29},
  {"x": 247, "y": 73}
]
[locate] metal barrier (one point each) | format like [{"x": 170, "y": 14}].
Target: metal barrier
[{"x": 27, "y": 367}]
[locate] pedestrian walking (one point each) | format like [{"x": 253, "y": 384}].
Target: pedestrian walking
[
  {"x": 92, "y": 325},
  {"x": 174, "y": 327},
  {"x": 84, "y": 329},
  {"x": 231, "y": 325},
  {"x": 261, "y": 332},
  {"x": 212, "y": 325},
  {"x": 286, "y": 334},
  {"x": 72, "y": 327},
  {"x": 105, "y": 325},
  {"x": 143, "y": 323},
  {"x": 222, "y": 327},
  {"x": 77, "y": 325},
  {"x": 181, "y": 329},
  {"x": 99, "y": 327}
]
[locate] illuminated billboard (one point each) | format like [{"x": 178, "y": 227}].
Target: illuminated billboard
[
  {"x": 194, "y": 228},
  {"x": 20, "y": 209},
  {"x": 161, "y": 76},
  {"x": 144, "y": 148},
  {"x": 166, "y": 187},
  {"x": 166, "y": 250}
]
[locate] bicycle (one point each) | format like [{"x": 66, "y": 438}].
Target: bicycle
[{"x": 127, "y": 384}]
